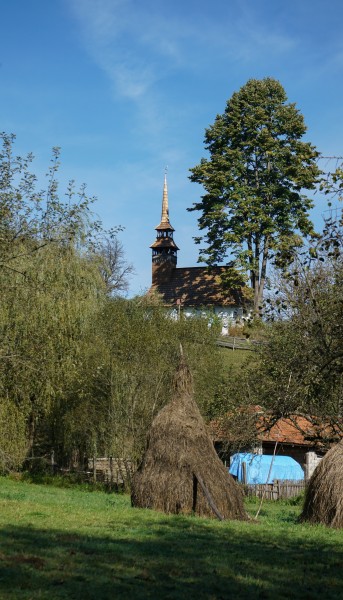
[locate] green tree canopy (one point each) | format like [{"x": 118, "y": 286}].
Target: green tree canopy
[
  {"x": 254, "y": 208},
  {"x": 298, "y": 369},
  {"x": 127, "y": 375},
  {"x": 55, "y": 277},
  {"x": 81, "y": 369}
]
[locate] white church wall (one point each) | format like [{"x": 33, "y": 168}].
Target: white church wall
[{"x": 227, "y": 315}]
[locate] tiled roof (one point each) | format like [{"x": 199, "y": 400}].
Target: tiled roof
[
  {"x": 294, "y": 430},
  {"x": 197, "y": 286},
  {"x": 298, "y": 430}
]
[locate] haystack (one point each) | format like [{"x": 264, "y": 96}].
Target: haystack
[
  {"x": 180, "y": 471},
  {"x": 324, "y": 494}
]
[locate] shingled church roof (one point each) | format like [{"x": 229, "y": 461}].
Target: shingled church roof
[
  {"x": 188, "y": 286},
  {"x": 197, "y": 286}
]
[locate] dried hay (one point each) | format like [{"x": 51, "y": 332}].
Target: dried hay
[
  {"x": 324, "y": 494},
  {"x": 180, "y": 471}
]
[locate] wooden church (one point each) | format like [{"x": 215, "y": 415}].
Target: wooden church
[{"x": 190, "y": 289}]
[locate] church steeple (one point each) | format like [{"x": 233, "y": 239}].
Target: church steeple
[
  {"x": 165, "y": 207},
  {"x": 164, "y": 249}
]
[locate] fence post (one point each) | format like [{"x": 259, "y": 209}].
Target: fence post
[
  {"x": 275, "y": 490},
  {"x": 111, "y": 470},
  {"x": 52, "y": 461},
  {"x": 94, "y": 469}
]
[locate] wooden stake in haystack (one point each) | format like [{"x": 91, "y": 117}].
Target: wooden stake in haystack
[
  {"x": 180, "y": 471},
  {"x": 324, "y": 494}
]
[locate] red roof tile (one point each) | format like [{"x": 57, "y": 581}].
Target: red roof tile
[{"x": 294, "y": 430}]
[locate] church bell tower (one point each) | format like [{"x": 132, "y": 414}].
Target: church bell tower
[{"x": 164, "y": 249}]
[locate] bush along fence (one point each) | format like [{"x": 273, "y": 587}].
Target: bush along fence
[
  {"x": 237, "y": 343},
  {"x": 115, "y": 472},
  {"x": 275, "y": 491}
]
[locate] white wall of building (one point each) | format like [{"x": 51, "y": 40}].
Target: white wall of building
[{"x": 228, "y": 315}]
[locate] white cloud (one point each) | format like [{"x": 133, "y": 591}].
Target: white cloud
[
  {"x": 126, "y": 43},
  {"x": 136, "y": 44},
  {"x": 102, "y": 20},
  {"x": 103, "y": 24},
  {"x": 141, "y": 46}
]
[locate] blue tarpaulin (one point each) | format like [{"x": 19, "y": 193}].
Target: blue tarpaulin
[{"x": 258, "y": 465}]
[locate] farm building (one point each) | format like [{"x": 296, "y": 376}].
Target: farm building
[
  {"x": 191, "y": 289},
  {"x": 295, "y": 437}
]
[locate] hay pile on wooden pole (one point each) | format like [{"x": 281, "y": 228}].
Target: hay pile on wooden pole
[
  {"x": 324, "y": 494},
  {"x": 180, "y": 471}
]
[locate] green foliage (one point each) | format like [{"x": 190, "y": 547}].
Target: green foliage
[
  {"x": 133, "y": 351},
  {"x": 88, "y": 372},
  {"x": 13, "y": 447},
  {"x": 332, "y": 184},
  {"x": 43, "y": 320},
  {"x": 254, "y": 178},
  {"x": 51, "y": 287},
  {"x": 67, "y": 480},
  {"x": 234, "y": 279},
  {"x": 303, "y": 361},
  {"x": 32, "y": 218},
  {"x": 82, "y": 371},
  {"x": 296, "y": 500},
  {"x": 299, "y": 367}
]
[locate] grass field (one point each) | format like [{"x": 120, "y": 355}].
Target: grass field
[
  {"x": 69, "y": 543},
  {"x": 235, "y": 359}
]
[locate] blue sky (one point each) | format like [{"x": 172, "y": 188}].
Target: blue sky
[{"x": 126, "y": 87}]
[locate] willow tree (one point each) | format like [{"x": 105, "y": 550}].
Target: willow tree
[
  {"x": 53, "y": 284},
  {"x": 254, "y": 208},
  {"x": 127, "y": 374}
]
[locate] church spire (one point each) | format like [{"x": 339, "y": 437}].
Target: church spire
[
  {"x": 164, "y": 249},
  {"x": 165, "y": 207}
]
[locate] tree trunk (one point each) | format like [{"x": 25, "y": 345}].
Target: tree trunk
[{"x": 262, "y": 278}]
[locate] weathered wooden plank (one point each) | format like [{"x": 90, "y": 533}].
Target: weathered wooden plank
[{"x": 276, "y": 490}]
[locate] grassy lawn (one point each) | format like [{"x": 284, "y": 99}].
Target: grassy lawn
[
  {"x": 235, "y": 359},
  {"x": 69, "y": 543}
]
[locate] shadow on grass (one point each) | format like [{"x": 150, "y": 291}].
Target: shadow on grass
[{"x": 180, "y": 559}]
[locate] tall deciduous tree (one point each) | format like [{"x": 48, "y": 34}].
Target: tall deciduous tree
[
  {"x": 254, "y": 208},
  {"x": 298, "y": 369},
  {"x": 114, "y": 268},
  {"x": 301, "y": 369}
]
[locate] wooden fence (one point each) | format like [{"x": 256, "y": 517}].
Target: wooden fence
[
  {"x": 116, "y": 471},
  {"x": 275, "y": 490},
  {"x": 237, "y": 343}
]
